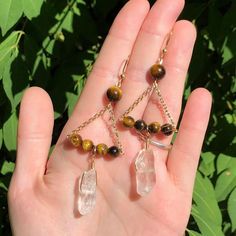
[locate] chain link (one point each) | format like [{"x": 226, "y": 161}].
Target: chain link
[{"x": 145, "y": 93}]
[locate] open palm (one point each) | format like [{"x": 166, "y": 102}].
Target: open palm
[{"x": 43, "y": 192}]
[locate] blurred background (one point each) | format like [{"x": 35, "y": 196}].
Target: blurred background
[{"x": 53, "y": 44}]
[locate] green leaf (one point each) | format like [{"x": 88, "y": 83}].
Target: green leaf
[
  {"x": 205, "y": 199},
  {"x": 193, "y": 233},
  {"x": 232, "y": 209},
  {"x": 224, "y": 162},
  {"x": 67, "y": 23},
  {"x": 10, "y": 13},
  {"x": 3, "y": 185},
  {"x": 228, "y": 50},
  {"x": 207, "y": 166},
  {"x": 32, "y": 8},
  {"x": 7, "y": 82},
  {"x": 10, "y": 132},
  {"x": 8, "y": 167},
  {"x": 9, "y": 41},
  {"x": 227, "y": 54},
  {"x": 15, "y": 79},
  {"x": 9, "y": 49},
  {"x": 206, "y": 225},
  {"x": 225, "y": 183}
]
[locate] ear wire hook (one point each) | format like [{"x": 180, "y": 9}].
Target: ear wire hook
[
  {"x": 164, "y": 47},
  {"x": 122, "y": 75},
  {"x": 125, "y": 65}
]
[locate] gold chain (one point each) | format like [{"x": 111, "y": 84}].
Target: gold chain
[
  {"x": 163, "y": 104},
  {"x": 102, "y": 111},
  {"x": 114, "y": 128},
  {"x": 145, "y": 93},
  {"x": 91, "y": 119},
  {"x": 108, "y": 108},
  {"x": 154, "y": 87}
]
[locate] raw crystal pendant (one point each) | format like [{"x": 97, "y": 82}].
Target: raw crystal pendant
[
  {"x": 145, "y": 171},
  {"x": 87, "y": 191}
]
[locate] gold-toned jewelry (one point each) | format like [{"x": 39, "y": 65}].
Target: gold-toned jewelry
[
  {"x": 88, "y": 179},
  {"x": 157, "y": 72},
  {"x": 144, "y": 161}
]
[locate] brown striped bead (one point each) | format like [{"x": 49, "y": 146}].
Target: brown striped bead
[
  {"x": 154, "y": 127},
  {"x": 101, "y": 149},
  {"x": 140, "y": 125},
  {"x": 114, "y": 94},
  {"x": 87, "y": 145},
  {"x": 167, "y": 129},
  {"x": 75, "y": 139},
  {"x": 128, "y": 121},
  {"x": 157, "y": 71},
  {"x": 114, "y": 151}
]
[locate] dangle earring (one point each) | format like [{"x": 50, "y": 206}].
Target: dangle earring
[
  {"x": 145, "y": 159},
  {"x": 88, "y": 179}
]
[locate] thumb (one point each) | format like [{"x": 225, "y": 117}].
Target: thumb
[{"x": 34, "y": 136}]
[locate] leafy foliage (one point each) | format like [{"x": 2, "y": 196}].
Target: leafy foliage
[
  {"x": 49, "y": 44},
  {"x": 213, "y": 67}
]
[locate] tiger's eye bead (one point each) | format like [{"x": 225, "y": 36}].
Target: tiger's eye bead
[
  {"x": 157, "y": 71},
  {"x": 128, "y": 121},
  {"x": 140, "y": 125},
  {"x": 114, "y": 94},
  {"x": 167, "y": 129},
  {"x": 154, "y": 127},
  {"x": 75, "y": 139},
  {"x": 87, "y": 145},
  {"x": 101, "y": 149},
  {"x": 114, "y": 151}
]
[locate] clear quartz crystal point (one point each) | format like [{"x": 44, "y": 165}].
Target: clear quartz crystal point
[
  {"x": 87, "y": 191},
  {"x": 145, "y": 171}
]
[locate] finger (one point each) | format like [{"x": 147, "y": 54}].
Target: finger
[
  {"x": 157, "y": 25},
  {"x": 176, "y": 63},
  {"x": 34, "y": 135},
  {"x": 183, "y": 158},
  {"x": 115, "y": 50}
]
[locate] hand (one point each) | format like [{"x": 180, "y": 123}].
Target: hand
[{"x": 42, "y": 193}]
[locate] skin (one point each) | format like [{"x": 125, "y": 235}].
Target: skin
[{"x": 42, "y": 193}]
